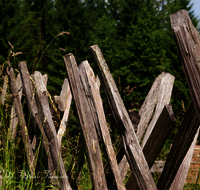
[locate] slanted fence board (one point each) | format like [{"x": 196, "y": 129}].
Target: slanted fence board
[
  {"x": 33, "y": 108},
  {"x": 164, "y": 96},
  {"x": 64, "y": 103},
  {"x": 50, "y": 131},
  {"x": 92, "y": 90},
  {"x": 93, "y": 154},
  {"x": 14, "y": 118},
  {"x": 159, "y": 94},
  {"x": 148, "y": 105},
  {"x": 181, "y": 175},
  {"x": 163, "y": 126},
  {"x": 133, "y": 150},
  {"x": 188, "y": 42},
  {"x": 22, "y": 123},
  {"x": 145, "y": 113},
  {"x": 3, "y": 95},
  {"x": 180, "y": 147}
]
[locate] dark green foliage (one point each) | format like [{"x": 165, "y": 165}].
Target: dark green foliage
[{"x": 134, "y": 35}]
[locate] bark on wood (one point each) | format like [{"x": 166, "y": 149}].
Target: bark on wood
[
  {"x": 181, "y": 175},
  {"x": 164, "y": 96},
  {"x": 14, "y": 118},
  {"x": 22, "y": 123},
  {"x": 133, "y": 150},
  {"x": 87, "y": 124},
  {"x": 164, "y": 125},
  {"x": 3, "y": 95},
  {"x": 188, "y": 41},
  {"x": 180, "y": 147},
  {"x": 93, "y": 96},
  {"x": 50, "y": 130}
]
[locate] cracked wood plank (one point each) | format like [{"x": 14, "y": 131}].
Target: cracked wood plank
[
  {"x": 188, "y": 42},
  {"x": 163, "y": 127},
  {"x": 160, "y": 94},
  {"x": 181, "y": 175},
  {"x": 64, "y": 102},
  {"x": 180, "y": 147},
  {"x": 164, "y": 96},
  {"x": 14, "y": 118},
  {"x": 133, "y": 150},
  {"x": 49, "y": 129},
  {"x": 91, "y": 88},
  {"x": 3, "y": 95},
  {"x": 22, "y": 123},
  {"x": 28, "y": 85},
  {"x": 85, "y": 116}
]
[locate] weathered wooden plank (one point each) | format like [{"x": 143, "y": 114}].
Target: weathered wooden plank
[
  {"x": 3, "y": 95},
  {"x": 159, "y": 94},
  {"x": 33, "y": 109},
  {"x": 22, "y": 123},
  {"x": 133, "y": 150},
  {"x": 98, "y": 82},
  {"x": 164, "y": 96},
  {"x": 180, "y": 147},
  {"x": 164, "y": 125},
  {"x": 188, "y": 42},
  {"x": 181, "y": 175},
  {"x": 45, "y": 79},
  {"x": 123, "y": 167},
  {"x": 14, "y": 118},
  {"x": 50, "y": 131},
  {"x": 64, "y": 102},
  {"x": 92, "y": 94},
  {"x": 87, "y": 124},
  {"x": 145, "y": 114},
  {"x": 147, "y": 108},
  {"x": 158, "y": 166}
]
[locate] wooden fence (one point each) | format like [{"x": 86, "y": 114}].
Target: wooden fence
[{"x": 83, "y": 87}]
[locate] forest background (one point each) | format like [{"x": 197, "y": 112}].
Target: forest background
[{"x": 134, "y": 35}]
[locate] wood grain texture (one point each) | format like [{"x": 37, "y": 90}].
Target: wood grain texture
[
  {"x": 180, "y": 147},
  {"x": 164, "y": 96},
  {"x": 158, "y": 166},
  {"x": 13, "y": 117},
  {"x": 188, "y": 42},
  {"x": 181, "y": 175},
  {"x": 163, "y": 126},
  {"x": 64, "y": 102},
  {"x": 133, "y": 150},
  {"x": 87, "y": 124},
  {"x": 33, "y": 109},
  {"x": 22, "y": 123},
  {"x": 3, "y": 95},
  {"x": 146, "y": 111},
  {"x": 45, "y": 79},
  {"x": 92, "y": 94},
  {"x": 49, "y": 129},
  {"x": 98, "y": 82}
]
